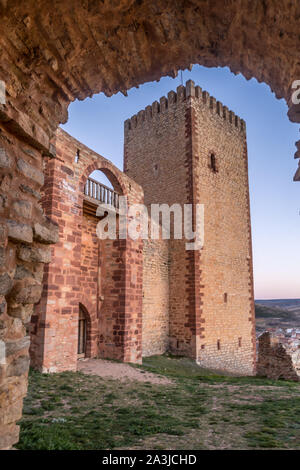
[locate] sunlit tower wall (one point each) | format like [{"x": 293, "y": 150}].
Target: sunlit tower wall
[{"x": 189, "y": 148}]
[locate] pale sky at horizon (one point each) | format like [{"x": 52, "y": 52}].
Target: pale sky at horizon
[{"x": 275, "y": 204}]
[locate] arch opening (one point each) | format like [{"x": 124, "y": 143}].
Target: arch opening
[
  {"x": 102, "y": 187},
  {"x": 82, "y": 332},
  {"x": 213, "y": 38}
]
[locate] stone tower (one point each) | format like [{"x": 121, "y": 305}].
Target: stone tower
[{"x": 189, "y": 148}]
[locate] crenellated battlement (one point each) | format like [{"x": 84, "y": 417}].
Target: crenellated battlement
[{"x": 182, "y": 94}]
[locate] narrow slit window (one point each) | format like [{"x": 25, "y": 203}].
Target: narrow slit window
[
  {"x": 77, "y": 156},
  {"x": 218, "y": 345},
  {"x": 213, "y": 163}
]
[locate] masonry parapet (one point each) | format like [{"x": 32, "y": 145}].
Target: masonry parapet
[{"x": 182, "y": 94}]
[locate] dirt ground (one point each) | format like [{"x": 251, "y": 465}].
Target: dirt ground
[{"x": 120, "y": 371}]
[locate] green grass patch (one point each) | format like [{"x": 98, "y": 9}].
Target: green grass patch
[{"x": 200, "y": 409}]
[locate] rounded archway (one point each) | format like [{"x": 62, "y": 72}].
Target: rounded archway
[
  {"x": 110, "y": 47},
  {"x": 84, "y": 333},
  {"x": 102, "y": 189},
  {"x": 51, "y": 57}
]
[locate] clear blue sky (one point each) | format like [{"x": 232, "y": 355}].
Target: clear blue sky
[{"x": 275, "y": 203}]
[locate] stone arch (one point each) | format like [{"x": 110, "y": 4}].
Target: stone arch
[
  {"x": 110, "y": 47},
  {"x": 111, "y": 172},
  {"x": 83, "y": 306}
]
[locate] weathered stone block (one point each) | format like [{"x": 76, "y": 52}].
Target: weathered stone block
[
  {"x": 3, "y": 201},
  {"x": 23, "y": 209},
  {"x": 18, "y": 367},
  {"x": 19, "y": 232},
  {"x": 22, "y": 272},
  {"x": 11, "y": 413},
  {"x": 2, "y": 305},
  {"x": 2, "y": 256},
  {"x": 6, "y": 182},
  {"x": 39, "y": 272},
  {"x": 5, "y": 160},
  {"x": 35, "y": 253},
  {"x": 29, "y": 190},
  {"x": 23, "y": 312},
  {"x": 46, "y": 233},
  {"x": 26, "y": 292},
  {"x": 3, "y": 232},
  {"x": 5, "y": 284},
  {"x": 12, "y": 390},
  {"x": 12, "y": 347},
  {"x": 30, "y": 171},
  {"x": 16, "y": 330},
  {"x": 3, "y": 328},
  {"x": 9, "y": 435}
]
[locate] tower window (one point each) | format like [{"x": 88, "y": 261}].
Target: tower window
[
  {"x": 240, "y": 342},
  {"x": 218, "y": 345},
  {"x": 225, "y": 297},
  {"x": 77, "y": 156},
  {"x": 213, "y": 163}
]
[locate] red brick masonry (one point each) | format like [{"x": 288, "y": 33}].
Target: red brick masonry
[
  {"x": 145, "y": 298},
  {"x": 105, "y": 277}
]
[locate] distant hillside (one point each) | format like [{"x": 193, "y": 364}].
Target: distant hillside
[
  {"x": 283, "y": 313},
  {"x": 286, "y": 304}
]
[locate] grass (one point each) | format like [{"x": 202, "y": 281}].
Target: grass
[{"x": 199, "y": 409}]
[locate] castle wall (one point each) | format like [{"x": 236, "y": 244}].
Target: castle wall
[
  {"x": 226, "y": 283},
  {"x": 277, "y": 361},
  {"x": 155, "y": 157},
  {"x": 167, "y": 151},
  {"x": 155, "y": 297},
  {"x": 72, "y": 276},
  {"x": 88, "y": 281},
  {"x": 54, "y": 324}
]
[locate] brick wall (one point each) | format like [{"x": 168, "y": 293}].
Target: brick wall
[
  {"x": 90, "y": 271},
  {"x": 154, "y": 156},
  {"x": 78, "y": 262},
  {"x": 226, "y": 259},
  {"x": 168, "y": 149},
  {"x": 156, "y": 266}
]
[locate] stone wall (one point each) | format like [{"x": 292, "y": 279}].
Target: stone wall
[
  {"x": 88, "y": 281},
  {"x": 156, "y": 278},
  {"x": 275, "y": 360},
  {"x": 154, "y": 156},
  {"x": 112, "y": 46},
  {"x": 26, "y": 235},
  {"x": 79, "y": 261},
  {"x": 226, "y": 273},
  {"x": 167, "y": 150}
]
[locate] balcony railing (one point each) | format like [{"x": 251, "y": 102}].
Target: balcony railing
[{"x": 101, "y": 193}]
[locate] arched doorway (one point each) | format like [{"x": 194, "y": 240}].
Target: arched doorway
[
  {"x": 82, "y": 333},
  {"x": 103, "y": 257}
]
